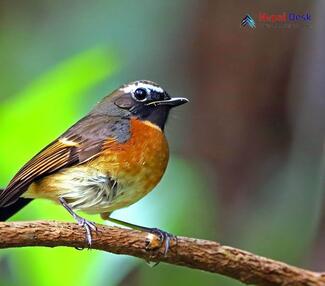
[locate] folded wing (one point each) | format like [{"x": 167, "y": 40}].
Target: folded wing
[{"x": 79, "y": 144}]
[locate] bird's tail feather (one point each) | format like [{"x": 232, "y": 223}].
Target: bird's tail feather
[{"x": 7, "y": 212}]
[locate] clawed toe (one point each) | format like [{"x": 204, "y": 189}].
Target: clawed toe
[
  {"x": 89, "y": 227},
  {"x": 164, "y": 239}
]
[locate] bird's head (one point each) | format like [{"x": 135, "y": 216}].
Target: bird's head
[{"x": 142, "y": 99}]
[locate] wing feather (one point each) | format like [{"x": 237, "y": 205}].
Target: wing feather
[
  {"x": 79, "y": 144},
  {"x": 55, "y": 157}
]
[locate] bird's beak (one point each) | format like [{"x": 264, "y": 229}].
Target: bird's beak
[{"x": 172, "y": 102}]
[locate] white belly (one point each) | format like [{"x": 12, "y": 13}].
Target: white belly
[{"x": 89, "y": 191}]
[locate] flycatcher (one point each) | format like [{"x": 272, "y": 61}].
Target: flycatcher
[{"x": 108, "y": 160}]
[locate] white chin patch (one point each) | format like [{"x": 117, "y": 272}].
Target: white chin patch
[{"x": 131, "y": 87}]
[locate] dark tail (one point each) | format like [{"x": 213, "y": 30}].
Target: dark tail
[{"x": 7, "y": 212}]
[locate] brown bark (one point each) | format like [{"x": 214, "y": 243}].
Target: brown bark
[{"x": 194, "y": 253}]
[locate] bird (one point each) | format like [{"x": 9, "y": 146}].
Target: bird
[{"x": 108, "y": 160}]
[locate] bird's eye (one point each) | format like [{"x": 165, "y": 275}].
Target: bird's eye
[{"x": 140, "y": 94}]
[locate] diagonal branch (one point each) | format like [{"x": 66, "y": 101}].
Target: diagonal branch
[{"x": 194, "y": 253}]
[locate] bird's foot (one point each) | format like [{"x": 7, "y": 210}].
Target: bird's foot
[
  {"x": 156, "y": 238},
  {"x": 164, "y": 240},
  {"x": 89, "y": 226}
]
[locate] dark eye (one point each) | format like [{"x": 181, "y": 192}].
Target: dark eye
[{"x": 140, "y": 94}]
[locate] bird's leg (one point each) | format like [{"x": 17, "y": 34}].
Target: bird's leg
[
  {"x": 87, "y": 225},
  {"x": 164, "y": 236}
]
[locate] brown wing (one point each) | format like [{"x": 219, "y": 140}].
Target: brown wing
[{"x": 80, "y": 143}]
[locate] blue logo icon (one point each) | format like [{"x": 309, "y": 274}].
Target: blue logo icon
[{"x": 248, "y": 21}]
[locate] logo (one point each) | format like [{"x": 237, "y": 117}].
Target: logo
[
  {"x": 248, "y": 21},
  {"x": 283, "y": 20},
  {"x": 284, "y": 17}
]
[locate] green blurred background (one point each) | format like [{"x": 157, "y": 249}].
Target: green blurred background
[{"x": 247, "y": 160}]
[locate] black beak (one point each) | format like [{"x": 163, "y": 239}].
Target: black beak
[{"x": 172, "y": 102}]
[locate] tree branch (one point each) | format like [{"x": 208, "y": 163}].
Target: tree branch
[{"x": 195, "y": 253}]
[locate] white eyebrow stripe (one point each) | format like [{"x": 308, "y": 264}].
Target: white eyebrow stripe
[{"x": 130, "y": 88}]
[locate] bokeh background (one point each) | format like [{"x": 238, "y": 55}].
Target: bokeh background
[{"x": 247, "y": 153}]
